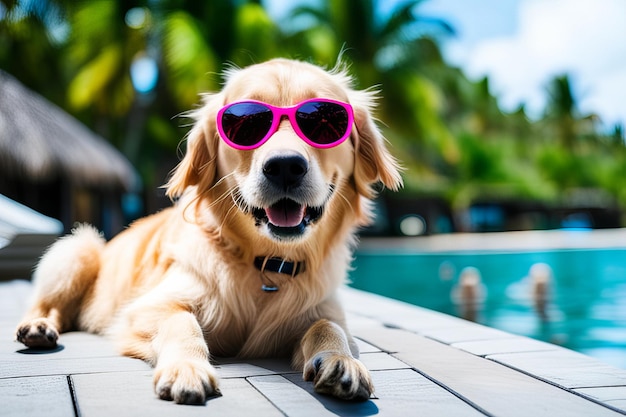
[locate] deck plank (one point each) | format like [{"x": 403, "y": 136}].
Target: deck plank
[
  {"x": 128, "y": 394},
  {"x": 512, "y": 344},
  {"x": 566, "y": 368},
  {"x": 496, "y": 389},
  {"x": 72, "y": 345},
  {"x": 469, "y": 370},
  {"x": 395, "y": 313},
  {"x": 401, "y": 392},
  {"x": 613, "y": 396},
  {"x": 465, "y": 332},
  {"x": 37, "y": 396},
  {"x": 44, "y": 366},
  {"x": 288, "y": 397},
  {"x": 406, "y": 393},
  {"x": 380, "y": 361}
]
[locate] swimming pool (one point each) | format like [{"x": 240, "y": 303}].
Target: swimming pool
[{"x": 584, "y": 308}]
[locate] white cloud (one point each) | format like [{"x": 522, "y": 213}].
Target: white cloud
[{"x": 584, "y": 38}]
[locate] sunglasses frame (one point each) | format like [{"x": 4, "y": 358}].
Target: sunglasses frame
[{"x": 277, "y": 116}]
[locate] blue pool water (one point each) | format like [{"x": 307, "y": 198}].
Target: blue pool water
[{"x": 585, "y": 309}]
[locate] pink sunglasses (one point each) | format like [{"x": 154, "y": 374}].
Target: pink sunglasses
[{"x": 320, "y": 122}]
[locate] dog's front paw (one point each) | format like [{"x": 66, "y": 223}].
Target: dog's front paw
[
  {"x": 339, "y": 375},
  {"x": 37, "y": 333},
  {"x": 186, "y": 382}
]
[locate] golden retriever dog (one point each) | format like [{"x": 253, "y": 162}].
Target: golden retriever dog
[{"x": 279, "y": 172}]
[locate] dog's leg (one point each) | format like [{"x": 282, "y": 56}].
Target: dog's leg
[
  {"x": 183, "y": 372},
  {"x": 161, "y": 329},
  {"x": 331, "y": 365},
  {"x": 62, "y": 278}
]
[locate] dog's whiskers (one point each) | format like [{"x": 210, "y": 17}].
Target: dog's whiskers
[
  {"x": 346, "y": 200},
  {"x": 239, "y": 201},
  {"x": 225, "y": 194},
  {"x": 221, "y": 198},
  {"x": 222, "y": 179},
  {"x": 231, "y": 211}
]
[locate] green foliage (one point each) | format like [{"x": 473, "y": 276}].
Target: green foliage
[
  {"x": 187, "y": 59},
  {"x": 447, "y": 130},
  {"x": 256, "y": 32},
  {"x": 91, "y": 85}
]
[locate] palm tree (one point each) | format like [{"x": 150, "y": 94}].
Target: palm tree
[
  {"x": 391, "y": 52},
  {"x": 30, "y": 33},
  {"x": 187, "y": 41},
  {"x": 562, "y": 109},
  {"x": 564, "y": 117}
]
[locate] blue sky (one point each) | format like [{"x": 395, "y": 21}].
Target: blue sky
[{"x": 522, "y": 44}]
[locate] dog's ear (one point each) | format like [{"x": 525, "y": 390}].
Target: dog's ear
[
  {"x": 373, "y": 162},
  {"x": 198, "y": 167}
]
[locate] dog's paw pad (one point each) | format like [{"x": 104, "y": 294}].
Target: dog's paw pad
[
  {"x": 186, "y": 382},
  {"x": 37, "y": 333},
  {"x": 339, "y": 375}
]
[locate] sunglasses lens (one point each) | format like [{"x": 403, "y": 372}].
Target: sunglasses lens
[
  {"x": 246, "y": 124},
  {"x": 322, "y": 122}
]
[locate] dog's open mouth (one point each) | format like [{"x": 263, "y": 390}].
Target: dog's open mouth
[{"x": 287, "y": 217}]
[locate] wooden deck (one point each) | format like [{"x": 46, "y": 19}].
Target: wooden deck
[{"x": 423, "y": 364}]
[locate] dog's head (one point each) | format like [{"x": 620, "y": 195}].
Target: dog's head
[{"x": 286, "y": 189}]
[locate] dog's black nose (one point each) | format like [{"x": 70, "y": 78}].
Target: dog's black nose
[{"x": 286, "y": 170}]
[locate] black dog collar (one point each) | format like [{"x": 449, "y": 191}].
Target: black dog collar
[{"x": 278, "y": 265}]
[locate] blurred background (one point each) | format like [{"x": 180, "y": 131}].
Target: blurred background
[
  {"x": 500, "y": 111},
  {"x": 506, "y": 114}
]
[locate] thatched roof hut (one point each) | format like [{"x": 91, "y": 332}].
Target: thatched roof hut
[
  {"x": 39, "y": 140},
  {"x": 52, "y": 163}
]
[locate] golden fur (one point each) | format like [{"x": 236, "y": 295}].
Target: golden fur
[{"x": 180, "y": 285}]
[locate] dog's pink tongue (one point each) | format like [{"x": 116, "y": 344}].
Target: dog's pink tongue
[{"x": 285, "y": 213}]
